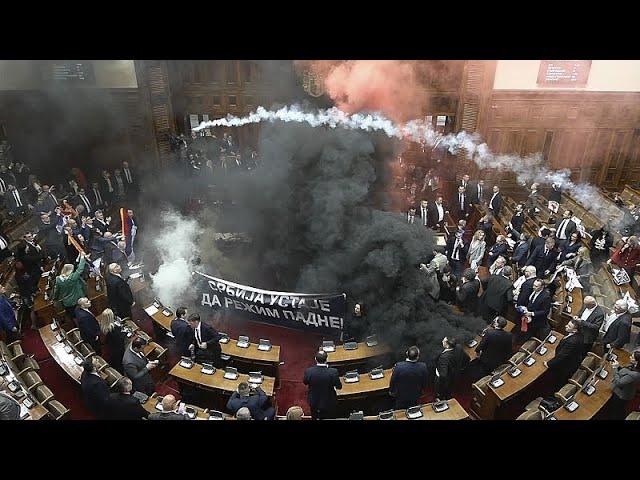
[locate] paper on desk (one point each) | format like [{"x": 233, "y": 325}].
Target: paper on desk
[
  {"x": 24, "y": 411},
  {"x": 151, "y": 310}
]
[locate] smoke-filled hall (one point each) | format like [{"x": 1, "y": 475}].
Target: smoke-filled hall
[{"x": 319, "y": 240}]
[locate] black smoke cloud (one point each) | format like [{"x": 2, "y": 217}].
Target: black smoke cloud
[{"x": 313, "y": 212}]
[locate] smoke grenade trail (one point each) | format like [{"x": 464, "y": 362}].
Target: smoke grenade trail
[{"x": 528, "y": 169}]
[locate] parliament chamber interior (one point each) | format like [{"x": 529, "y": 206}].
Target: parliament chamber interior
[{"x": 319, "y": 240}]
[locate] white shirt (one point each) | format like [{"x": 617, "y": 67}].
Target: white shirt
[
  {"x": 587, "y": 312},
  {"x": 479, "y": 192},
  {"x": 440, "y": 212},
  {"x": 561, "y": 231},
  {"x": 533, "y": 296},
  {"x": 423, "y": 213},
  {"x": 410, "y": 218},
  {"x": 3, "y": 243},
  {"x": 608, "y": 321},
  {"x": 127, "y": 175},
  {"x": 491, "y": 201}
]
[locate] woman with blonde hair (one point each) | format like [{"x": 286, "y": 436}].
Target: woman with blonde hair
[
  {"x": 115, "y": 338},
  {"x": 476, "y": 249},
  {"x": 583, "y": 267},
  {"x": 70, "y": 286}
]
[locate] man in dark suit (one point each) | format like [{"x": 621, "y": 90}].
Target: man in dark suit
[
  {"x": 51, "y": 238},
  {"x": 48, "y": 200},
  {"x": 252, "y": 398},
  {"x": 206, "y": 342},
  {"x": 437, "y": 213},
  {"x": 476, "y": 192},
  {"x": 538, "y": 309},
  {"x": 16, "y": 203},
  {"x": 498, "y": 293},
  {"x": 565, "y": 227},
  {"x": 169, "y": 407},
  {"x": 517, "y": 220},
  {"x": 495, "y": 202},
  {"x": 456, "y": 251},
  {"x": 95, "y": 196},
  {"x": 497, "y": 249},
  {"x": 616, "y": 328},
  {"x": 494, "y": 349},
  {"x": 130, "y": 179},
  {"x": 541, "y": 239},
  {"x": 544, "y": 258},
  {"x": 449, "y": 365},
  {"x": 88, "y": 325},
  {"x": 83, "y": 199},
  {"x": 123, "y": 405},
  {"x": 95, "y": 391},
  {"x": 107, "y": 188},
  {"x": 100, "y": 222},
  {"x": 589, "y": 320},
  {"x": 462, "y": 204},
  {"x": 322, "y": 382},
  {"x": 526, "y": 289},
  {"x": 467, "y": 293},
  {"x": 569, "y": 354},
  {"x": 464, "y": 183},
  {"x": 137, "y": 366},
  {"x": 183, "y": 334},
  {"x": 408, "y": 380},
  {"x": 423, "y": 213},
  {"x": 119, "y": 293}
]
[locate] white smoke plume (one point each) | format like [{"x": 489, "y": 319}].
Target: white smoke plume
[
  {"x": 176, "y": 246},
  {"x": 529, "y": 169}
]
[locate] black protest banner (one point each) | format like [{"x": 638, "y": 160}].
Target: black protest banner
[{"x": 320, "y": 313}]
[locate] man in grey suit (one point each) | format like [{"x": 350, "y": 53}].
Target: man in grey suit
[
  {"x": 9, "y": 408},
  {"x": 137, "y": 367},
  {"x": 589, "y": 321}
]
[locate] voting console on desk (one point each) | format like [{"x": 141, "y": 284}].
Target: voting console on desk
[
  {"x": 243, "y": 341},
  {"x": 328, "y": 346},
  {"x": 388, "y": 415},
  {"x": 414, "y": 412},
  {"x": 186, "y": 362},
  {"x": 352, "y": 377},
  {"x": 264, "y": 345},
  {"x": 371, "y": 341},
  {"x": 208, "y": 369},
  {"x": 377, "y": 373},
  {"x": 216, "y": 415}
]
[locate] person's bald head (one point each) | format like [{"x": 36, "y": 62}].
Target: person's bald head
[
  {"x": 243, "y": 414},
  {"x": 589, "y": 301},
  {"x": 168, "y": 403}
]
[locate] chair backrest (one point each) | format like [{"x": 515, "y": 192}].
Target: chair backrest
[
  {"x": 590, "y": 363},
  {"x": 57, "y": 410},
  {"x": 100, "y": 362},
  {"x": 579, "y": 377},
  {"x": 633, "y": 416},
  {"x": 529, "y": 346},
  {"x": 112, "y": 376},
  {"x": 517, "y": 358},
  {"x": 502, "y": 368},
  {"x": 566, "y": 392},
  {"x": 32, "y": 379},
  {"x": 43, "y": 394},
  {"x": 531, "y": 415}
]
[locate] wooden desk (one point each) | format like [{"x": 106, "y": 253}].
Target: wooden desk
[
  {"x": 216, "y": 382},
  {"x": 362, "y": 354},
  {"x": 559, "y": 314},
  {"x": 455, "y": 412},
  {"x": 589, "y": 406},
  {"x": 513, "y": 386},
  {"x": 201, "y": 413},
  {"x": 471, "y": 351},
  {"x": 251, "y": 354},
  {"x": 37, "y": 412},
  {"x": 365, "y": 387}
]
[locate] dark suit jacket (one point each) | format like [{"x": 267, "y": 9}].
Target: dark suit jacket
[
  {"x": 183, "y": 335},
  {"x": 462, "y": 251},
  {"x": 419, "y": 215},
  {"x": 455, "y": 203},
  {"x": 495, "y": 251},
  {"x": 125, "y": 407},
  {"x": 571, "y": 227},
  {"x": 321, "y": 382},
  {"x": 520, "y": 253},
  {"x": 467, "y": 296},
  {"x": 93, "y": 198},
  {"x": 119, "y": 295},
  {"x": 497, "y": 203},
  {"x": 408, "y": 380},
  {"x": 567, "y": 249},
  {"x": 95, "y": 392},
  {"x": 537, "y": 242},
  {"x": 619, "y": 332},
  {"x": 255, "y": 403},
  {"x": 211, "y": 337},
  {"x": 498, "y": 292},
  {"x": 590, "y": 327},
  {"x": 525, "y": 292},
  {"x": 472, "y": 191},
  {"x": 451, "y": 363},
  {"x": 541, "y": 261},
  {"x": 517, "y": 221},
  {"x": 569, "y": 355},
  {"x": 136, "y": 369},
  {"x": 168, "y": 416},
  {"x": 495, "y": 347},
  {"x": 88, "y": 325},
  {"x": 433, "y": 214},
  {"x": 540, "y": 308}
]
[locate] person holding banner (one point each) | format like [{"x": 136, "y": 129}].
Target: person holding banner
[{"x": 70, "y": 286}]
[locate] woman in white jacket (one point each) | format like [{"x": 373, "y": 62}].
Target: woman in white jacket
[{"x": 476, "y": 249}]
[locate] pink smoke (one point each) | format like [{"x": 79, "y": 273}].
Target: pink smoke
[{"x": 387, "y": 86}]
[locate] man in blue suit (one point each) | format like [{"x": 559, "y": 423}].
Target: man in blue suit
[
  {"x": 538, "y": 308},
  {"x": 408, "y": 380},
  {"x": 8, "y": 322},
  {"x": 322, "y": 382},
  {"x": 88, "y": 324},
  {"x": 255, "y": 401}
]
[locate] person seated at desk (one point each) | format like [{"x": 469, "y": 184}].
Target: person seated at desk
[
  {"x": 624, "y": 386},
  {"x": 589, "y": 320},
  {"x": 95, "y": 390},
  {"x": 9, "y": 407},
  {"x": 569, "y": 355},
  {"x": 207, "y": 342},
  {"x": 449, "y": 365},
  {"x": 243, "y": 414},
  {"x": 616, "y": 328},
  {"x": 494, "y": 349},
  {"x": 408, "y": 380},
  {"x": 88, "y": 324},
  {"x": 171, "y": 410},
  {"x": 254, "y": 399},
  {"x": 183, "y": 333},
  {"x": 123, "y": 405},
  {"x": 137, "y": 366},
  {"x": 497, "y": 250},
  {"x": 322, "y": 382}
]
